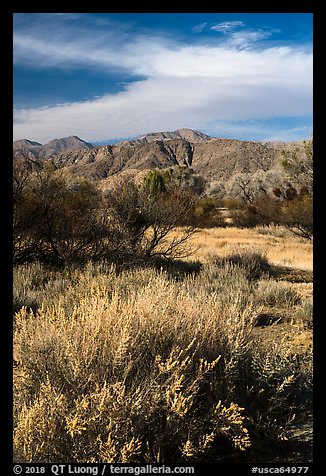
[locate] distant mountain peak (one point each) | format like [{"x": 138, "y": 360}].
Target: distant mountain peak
[
  {"x": 184, "y": 133},
  {"x": 51, "y": 148},
  {"x": 200, "y": 136},
  {"x": 26, "y": 143},
  {"x": 70, "y": 141}
]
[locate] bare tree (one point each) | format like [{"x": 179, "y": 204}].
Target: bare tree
[
  {"x": 146, "y": 219},
  {"x": 242, "y": 186}
]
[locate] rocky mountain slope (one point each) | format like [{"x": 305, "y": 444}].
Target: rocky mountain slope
[
  {"x": 54, "y": 147},
  {"x": 187, "y": 134},
  {"x": 213, "y": 158}
]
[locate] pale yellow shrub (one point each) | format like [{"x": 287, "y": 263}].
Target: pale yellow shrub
[{"x": 138, "y": 367}]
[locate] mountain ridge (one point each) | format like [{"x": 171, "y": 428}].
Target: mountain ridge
[
  {"x": 184, "y": 133},
  {"x": 211, "y": 157},
  {"x": 51, "y": 148},
  {"x": 69, "y": 143}
]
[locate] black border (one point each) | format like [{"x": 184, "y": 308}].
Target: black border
[{"x": 232, "y": 6}]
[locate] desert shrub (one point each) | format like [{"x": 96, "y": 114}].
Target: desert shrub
[
  {"x": 61, "y": 219},
  {"x": 277, "y": 231},
  {"x": 297, "y": 215},
  {"x": 158, "y": 343},
  {"x": 227, "y": 280},
  {"x": 268, "y": 208},
  {"x": 181, "y": 178},
  {"x": 248, "y": 216},
  {"x": 262, "y": 210},
  {"x": 294, "y": 211},
  {"x": 55, "y": 219},
  {"x": 254, "y": 263},
  {"x": 176, "y": 269},
  {"x": 134, "y": 366},
  {"x": 206, "y": 213},
  {"x": 283, "y": 379},
  {"x": 34, "y": 284},
  {"x": 231, "y": 203},
  {"x": 304, "y": 314},
  {"x": 145, "y": 217},
  {"x": 276, "y": 295}
]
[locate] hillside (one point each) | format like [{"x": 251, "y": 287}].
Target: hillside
[{"x": 213, "y": 158}]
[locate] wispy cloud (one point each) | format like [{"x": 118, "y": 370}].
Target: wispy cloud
[
  {"x": 241, "y": 37},
  {"x": 245, "y": 39},
  {"x": 227, "y": 26},
  {"x": 264, "y": 130},
  {"x": 151, "y": 56},
  {"x": 274, "y": 85},
  {"x": 291, "y": 134},
  {"x": 200, "y": 27},
  {"x": 182, "y": 85}
]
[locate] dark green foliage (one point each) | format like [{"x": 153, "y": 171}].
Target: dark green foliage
[
  {"x": 155, "y": 182},
  {"x": 181, "y": 178},
  {"x": 146, "y": 217}
]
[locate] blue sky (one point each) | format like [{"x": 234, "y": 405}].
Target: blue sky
[{"x": 106, "y": 77}]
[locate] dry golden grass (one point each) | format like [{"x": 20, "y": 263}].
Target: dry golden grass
[{"x": 281, "y": 247}]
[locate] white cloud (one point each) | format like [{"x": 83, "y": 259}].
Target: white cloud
[
  {"x": 157, "y": 57},
  {"x": 227, "y": 26},
  {"x": 184, "y": 86},
  {"x": 245, "y": 39},
  {"x": 170, "y": 102},
  {"x": 238, "y": 37}
]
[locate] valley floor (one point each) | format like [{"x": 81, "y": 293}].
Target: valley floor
[{"x": 282, "y": 248}]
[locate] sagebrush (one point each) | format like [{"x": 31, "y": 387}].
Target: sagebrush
[{"x": 136, "y": 366}]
